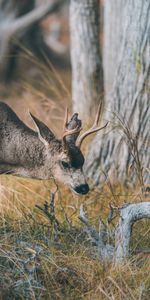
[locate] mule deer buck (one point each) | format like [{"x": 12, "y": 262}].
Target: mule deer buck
[{"x": 40, "y": 154}]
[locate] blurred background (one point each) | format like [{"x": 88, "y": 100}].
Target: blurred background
[
  {"x": 35, "y": 67},
  {"x": 35, "y": 64}
]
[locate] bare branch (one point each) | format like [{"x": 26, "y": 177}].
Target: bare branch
[
  {"x": 83, "y": 216},
  {"x": 105, "y": 251},
  {"x": 32, "y": 17},
  {"x": 129, "y": 214}
]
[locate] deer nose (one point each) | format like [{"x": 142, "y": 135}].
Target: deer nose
[{"x": 82, "y": 189}]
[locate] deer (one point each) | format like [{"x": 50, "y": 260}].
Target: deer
[{"x": 40, "y": 154}]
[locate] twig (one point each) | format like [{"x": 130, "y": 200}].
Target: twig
[{"x": 49, "y": 209}]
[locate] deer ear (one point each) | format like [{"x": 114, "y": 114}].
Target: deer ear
[{"x": 44, "y": 133}]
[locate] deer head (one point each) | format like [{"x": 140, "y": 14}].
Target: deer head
[{"x": 65, "y": 155}]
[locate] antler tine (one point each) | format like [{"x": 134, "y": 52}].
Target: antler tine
[
  {"x": 66, "y": 119},
  {"x": 97, "y": 115},
  {"x": 90, "y": 131},
  {"x": 71, "y": 131},
  {"x": 93, "y": 129}
]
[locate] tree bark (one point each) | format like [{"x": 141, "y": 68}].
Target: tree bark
[
  {"x": 87, "y": 74},
  {"x": 123, "y": 153},
  {"x": 113, "y": 34}
]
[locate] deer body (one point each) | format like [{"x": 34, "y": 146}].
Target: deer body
[
  {"x": 39, "y": 154},
  {"x": 21, "y": 151}
]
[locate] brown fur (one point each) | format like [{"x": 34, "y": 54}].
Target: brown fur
[{"x": 40, "y": 154}]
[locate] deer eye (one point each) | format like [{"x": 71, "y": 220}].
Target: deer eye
[{"x": 65, "y": 164}]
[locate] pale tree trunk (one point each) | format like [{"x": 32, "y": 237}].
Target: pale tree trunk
[
  {"x": 123, "y": 153},
  {"x": 113, "y": 33},
  {"x": 87, "y": 74}
]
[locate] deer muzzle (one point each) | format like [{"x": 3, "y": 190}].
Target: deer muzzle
[{"x": 82, "y": 189}]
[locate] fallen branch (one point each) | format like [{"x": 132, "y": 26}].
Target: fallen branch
[
  {"x": 128, "y": 215},
  {"x": 99, "y": 239}
]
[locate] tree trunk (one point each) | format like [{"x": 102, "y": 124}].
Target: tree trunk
[
  {"x": 123, "y": 153},
  {"x": 113, "y": 33},
  {"x": 87, "y": 74}
]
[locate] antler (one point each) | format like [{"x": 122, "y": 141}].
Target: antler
[
  {"x": 93, "y": 129},
  {"x": 73, "y": 122}
]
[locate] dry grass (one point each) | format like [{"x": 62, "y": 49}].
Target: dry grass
[{"x": 40, "y": 260}]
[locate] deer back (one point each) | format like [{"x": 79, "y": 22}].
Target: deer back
[{"x": 19, "y": 144}]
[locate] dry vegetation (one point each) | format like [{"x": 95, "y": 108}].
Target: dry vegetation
[
  {"x": 47, "y": 256},
  {"x": 43, "y": 259}
]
